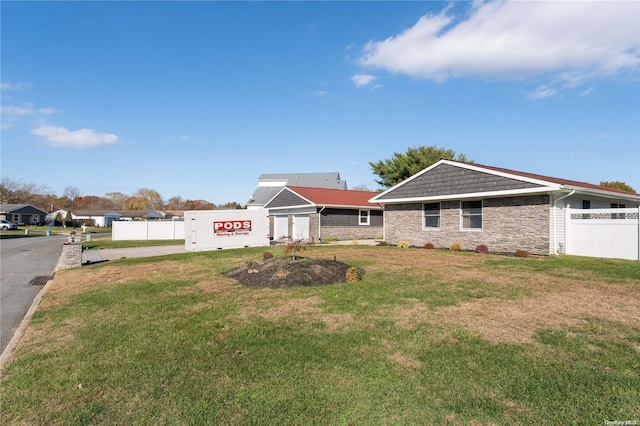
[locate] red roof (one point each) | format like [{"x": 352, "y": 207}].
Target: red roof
[
  {"x": 335, "y": 197},
  {"x": 549, "y": 179}
]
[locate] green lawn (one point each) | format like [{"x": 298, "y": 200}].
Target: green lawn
[
  {"x": 41, "y": 231},
  {"x": 428, "y": 337},
  {"x": 106, "y": 243}
]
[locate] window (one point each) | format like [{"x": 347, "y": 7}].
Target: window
[
  {"x": 364, "y": 217},
  {"x": 431, "y": 213},
  {"x": 586, "y": 205},
  {"x": 618, "y": 215},
  {"x": 471, "y": 215}
]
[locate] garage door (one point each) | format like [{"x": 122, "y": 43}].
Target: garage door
[
  {"x": 301, "y": 227},
  {"x": 280, "y": 227}
]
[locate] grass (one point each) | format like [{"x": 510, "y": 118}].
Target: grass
[
  {"x": 428, "y": 337},
  {"x": 106, "y": 243},
  {"x": 40, "y": 231}
]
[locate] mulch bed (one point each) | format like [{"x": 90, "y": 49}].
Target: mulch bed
[{"x": 286, "y": 272}]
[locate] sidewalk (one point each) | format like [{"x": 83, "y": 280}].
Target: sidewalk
[{"x": 103, "y": 255}]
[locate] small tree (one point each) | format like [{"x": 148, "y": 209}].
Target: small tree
[
  {"x": 401, "y": 166},
  {"x": 294, "y": 247},
  {"x": 58, "y": 220},
  {"x": 68, "y": 220}
]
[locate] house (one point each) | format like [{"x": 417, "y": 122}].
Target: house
[
  {"x": 315, "y": 214},
  {"x": 23, "y": 213},
  {"x": 270, "y": 184},
  {"x": 506, "y": 210},
  {"x": 103, "y": 218}
]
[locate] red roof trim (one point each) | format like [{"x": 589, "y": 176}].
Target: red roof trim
[{"x": 336, "y": 197}]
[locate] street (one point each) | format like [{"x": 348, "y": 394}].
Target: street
[{"x": 22, "y": 260}]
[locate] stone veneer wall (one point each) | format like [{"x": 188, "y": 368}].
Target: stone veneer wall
[
  {"x": 352, "y": 232},
  {"x": 71, "y": 255},
  {"x": 508, "y": 224}
]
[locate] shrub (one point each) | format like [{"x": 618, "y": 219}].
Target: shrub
[
  {"x": 455, "y": 247},
  {"x": 521, "y": 253},
  {"x": 354, "y": 243},
  {"x": 294, "y": 247},
  {"x": 353, "y": 275},
  {"x": 267, "y": 255},
  {"x": 403, "y": 244},
  {"x": 482, "y": 249},
  {"x": 429, "y": 246},
  {"x": 330, "y": 239}
]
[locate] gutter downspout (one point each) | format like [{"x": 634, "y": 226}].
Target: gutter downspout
[
  {"x": 555, "y": 230},
  {"x": 384, "y": 223},
  {"x": 319, "y": 227}
]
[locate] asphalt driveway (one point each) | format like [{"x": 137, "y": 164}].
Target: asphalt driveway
[{"x": 21, "y": 261}]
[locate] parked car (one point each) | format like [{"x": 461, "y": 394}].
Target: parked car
[{"x": 6, "y": 225}]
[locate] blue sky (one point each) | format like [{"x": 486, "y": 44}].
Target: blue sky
[{"x": 197, "y": 99}]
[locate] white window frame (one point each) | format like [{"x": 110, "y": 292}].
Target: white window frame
[
  {"x": 360, "y": 217},
  {"x": 462, "y": 216},
  {"x": 424, "y": 217}
]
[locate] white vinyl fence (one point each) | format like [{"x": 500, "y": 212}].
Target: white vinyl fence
[
  {"x": 147, "y": 230},
  {"x": 613, "y": 233}
]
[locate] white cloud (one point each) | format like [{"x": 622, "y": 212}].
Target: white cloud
[
  {"x": 16, "y": 110},
  {"x": 83, "y": 138},
  {"x": 542, "y": 92},
  {"x": 361, "y": 80},
  {"x": 26, "y": 109},
  {"x": 564, "y": 42},
  {"x": 321, "y": 93},
  {"x": 13, "y": 85},
  {"x": 183, "y": 139},
  {"x": 48, "y": 111}
]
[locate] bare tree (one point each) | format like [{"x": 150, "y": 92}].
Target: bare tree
[
  {"x": 17, "y": 192},
  {"x": 71, "y": 192},
  {"x": 174, "y": 203},
  {"x": 153, "y": 197},
  {"x": 361, "y": 187},
  {"x": 118, "y": 198}
]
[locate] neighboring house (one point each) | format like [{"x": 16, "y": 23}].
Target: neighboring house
[
  {"x": 104, "y": 218},
  {"x": 100, "y": 218},
  {"x": 270, "y": 184},
  {"x": 472, "y": 204},
  {"x": 23, "y": 213},
  {"x": 315, "y": 214}
]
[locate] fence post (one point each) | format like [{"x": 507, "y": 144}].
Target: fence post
[
  {"x": 638, "y": 229},
  {"x": 567, "y": 230}
]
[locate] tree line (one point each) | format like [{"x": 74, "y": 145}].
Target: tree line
[{"x": 17, "y": 192}]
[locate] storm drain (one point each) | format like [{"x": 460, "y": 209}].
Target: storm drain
[{"x": 41, "y": 280}]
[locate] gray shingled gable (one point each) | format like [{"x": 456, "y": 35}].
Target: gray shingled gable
[
  {"x": 446, "y": 180},
  {"x": 287, "y": 198},
  {"x": 263, "y": 194},
  {"x": 20, "y": 209}
]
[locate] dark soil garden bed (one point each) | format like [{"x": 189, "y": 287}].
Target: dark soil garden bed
[{"x": 286, "y": 272}]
